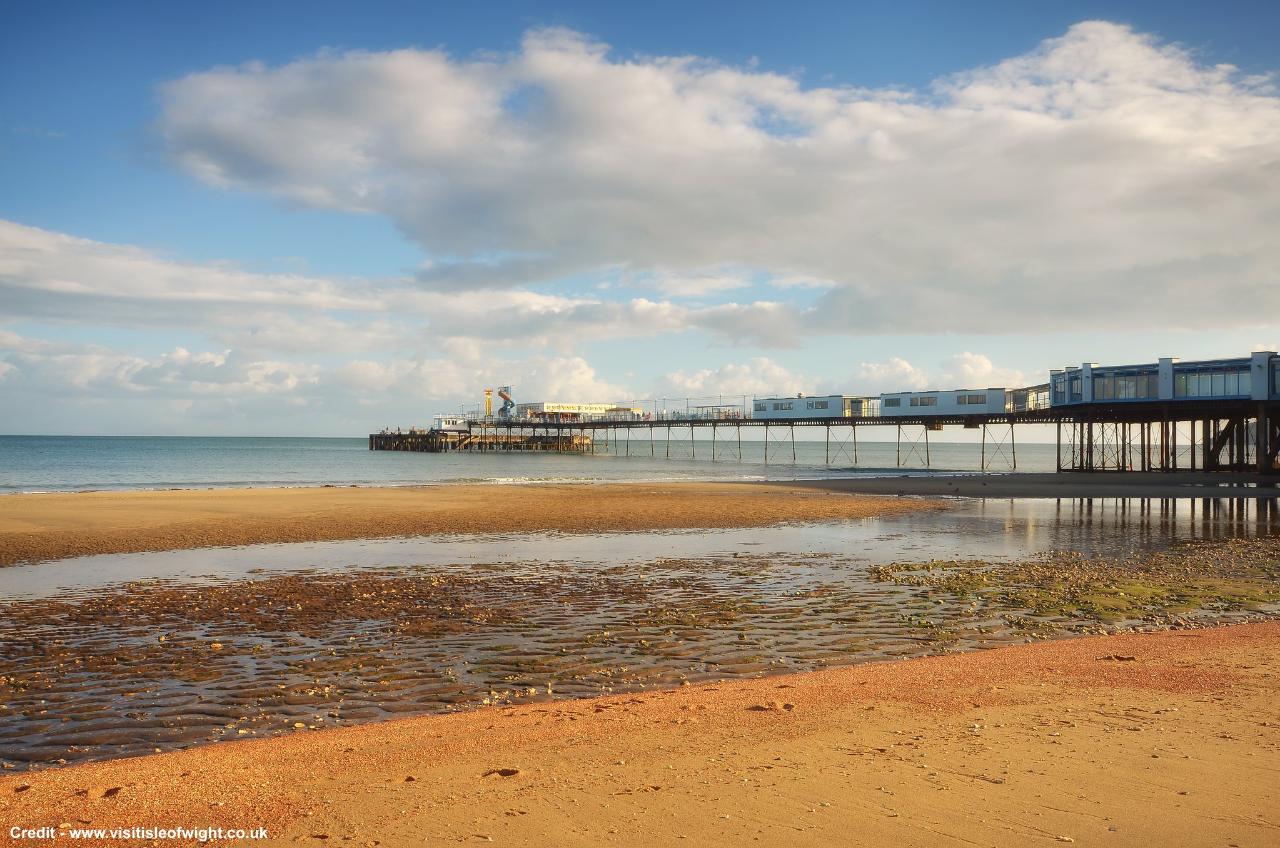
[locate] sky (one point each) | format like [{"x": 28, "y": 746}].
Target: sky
[{"x": 325, "y": 219}]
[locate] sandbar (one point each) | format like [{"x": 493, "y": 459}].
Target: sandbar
[{"x": 35, "y": 527}]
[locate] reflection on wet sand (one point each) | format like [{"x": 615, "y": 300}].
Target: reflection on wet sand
[{"x": 98, "y": 671}]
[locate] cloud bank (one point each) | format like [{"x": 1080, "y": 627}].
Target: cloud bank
[{"x": 1103, "y": 178}]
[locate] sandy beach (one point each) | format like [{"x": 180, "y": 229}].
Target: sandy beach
[
  {"x": 1168, "y": 738},
  {"x": 1130, "y": 739},
  {"x": 37, "y": 527}
]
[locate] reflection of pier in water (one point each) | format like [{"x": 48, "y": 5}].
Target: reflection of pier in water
[{"x": 1184, "y": 519}]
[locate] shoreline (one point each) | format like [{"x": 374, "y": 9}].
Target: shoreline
[
  {"x": 1135, "y": 739},
  {"x": 43, "y": 527}
]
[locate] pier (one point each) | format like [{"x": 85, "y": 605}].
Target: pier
[
  {"x": 1220, "y": 416},
  {"x": 1213, "y": 436}
]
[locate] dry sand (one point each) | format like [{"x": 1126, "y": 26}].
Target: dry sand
[
  {"x": 1167, "y": 739},
  {"x": 55, "y": 526}
]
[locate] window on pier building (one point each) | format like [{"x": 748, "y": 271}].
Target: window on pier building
[
  {"x": 818, "y": 404},
  {"x": 971, "y": 400},
  {"x": 1218, "y": 382},
  {"x": 1275, "y": 378},
  {"x": 1059, "y": 389},
  {"x": 1126, "y": 386},
  {"x": 887, "y": 402},
  {"x": 924, "y": 401},
  {"x": 782, "y": 406},
  {"x": 760, "y": 406}
]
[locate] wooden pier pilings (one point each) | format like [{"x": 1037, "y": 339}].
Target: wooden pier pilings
[{"x": 437, "y": 441}]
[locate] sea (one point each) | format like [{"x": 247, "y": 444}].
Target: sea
[{"x": 105, "y": 463}]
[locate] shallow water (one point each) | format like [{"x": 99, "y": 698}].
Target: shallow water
[
  {"x": 119, "y": 655},
  {"x": 73, "y": 463},
  {"x": 969, "y": 528}
]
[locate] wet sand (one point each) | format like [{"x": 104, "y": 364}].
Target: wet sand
[
  {"x": 1168, "y": 738},
  {"x": 159, "y": 664},
  {"x": 1133, "y": 484},
  {"x": 36, "y": 527}
]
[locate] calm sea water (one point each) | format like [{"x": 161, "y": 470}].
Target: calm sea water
[{"x": 73, "y": 463}]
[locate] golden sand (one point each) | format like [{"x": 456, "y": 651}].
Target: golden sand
[
  {"x": 1167, "y": 738},
  {"x": 55, "y": 526}
]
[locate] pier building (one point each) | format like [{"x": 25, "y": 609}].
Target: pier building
[
  {"x": 950, "y": 402},
  {"x": 562, "y": 411},
  {"x": 800, "y": 406},
  {"x": 1256, "y": 377}
]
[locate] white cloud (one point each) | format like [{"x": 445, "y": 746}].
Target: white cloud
[
  {"x": 1104, "y": 179},
  {"x": 975, "y": 371},
  {"x": 360, "y": 392},
  {"x": 894, "y": 374},
  {"x": 93, "y": 370},
  {"x": 568, "y": 378},
  {"x": 49, "y": 276},
  {"x": 51, "y": 263},
  {"x": 759, "y": 376},
  {"x": 958, "y": 371}
]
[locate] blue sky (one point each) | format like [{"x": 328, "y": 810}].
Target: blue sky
[{"x": 395, "y": 205}]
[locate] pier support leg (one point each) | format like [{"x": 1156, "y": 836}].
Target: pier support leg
[
  {"x": 1261, "y": 431},
  {"x": 1273, "y": 451},
  {"x": 1003, "y": 446}
]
